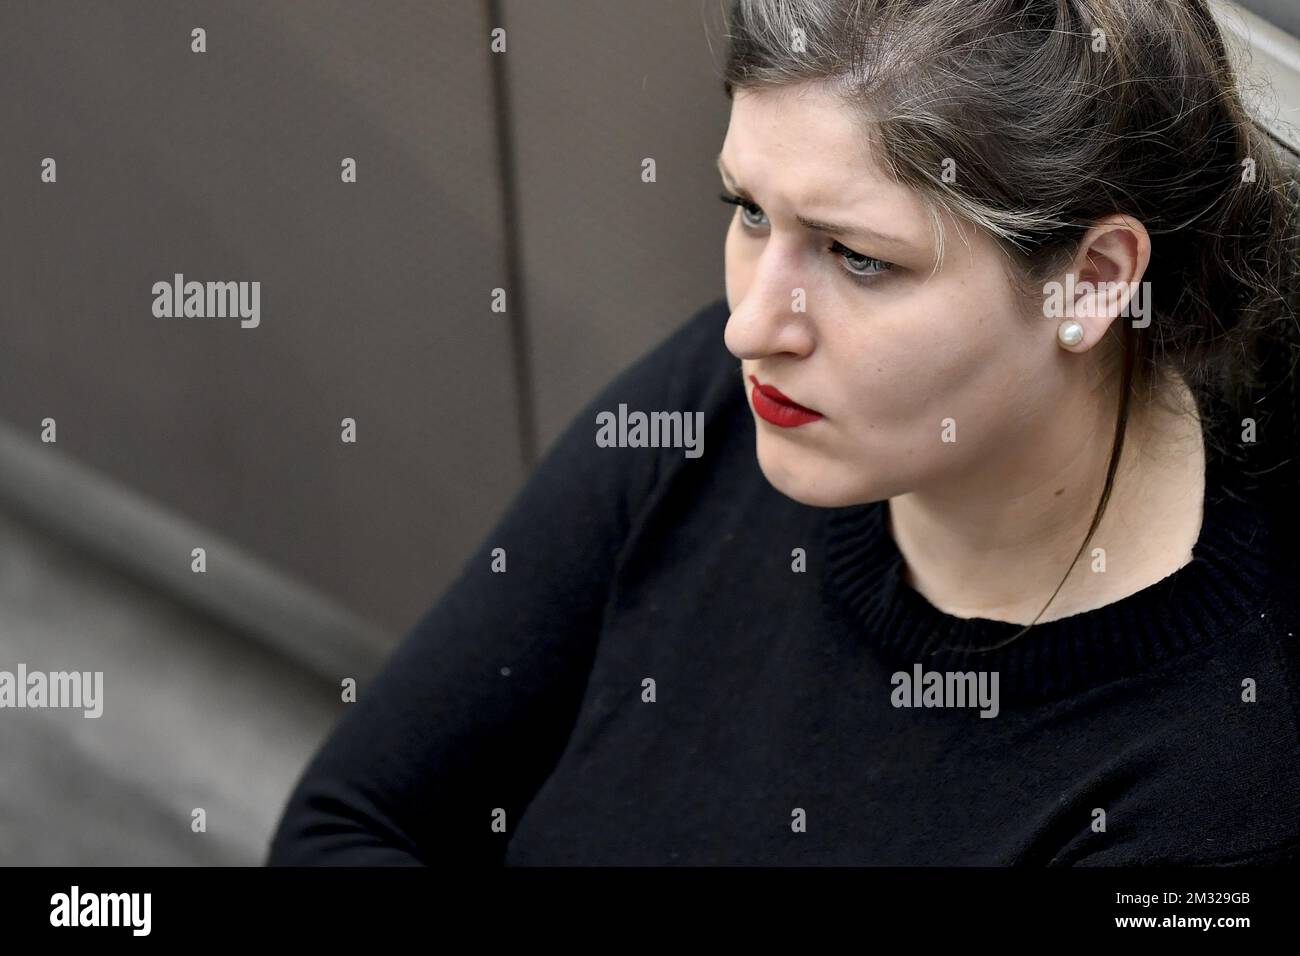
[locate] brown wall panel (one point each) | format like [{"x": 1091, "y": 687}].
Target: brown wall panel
[
  {"x": 375, "y": 296},
  {"x": 612, "y": 263}
]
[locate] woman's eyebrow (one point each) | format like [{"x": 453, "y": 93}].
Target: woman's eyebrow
[{"x": 819, "y": 225}]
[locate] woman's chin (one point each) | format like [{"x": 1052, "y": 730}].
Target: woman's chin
[{"x": 811, "y": 480}]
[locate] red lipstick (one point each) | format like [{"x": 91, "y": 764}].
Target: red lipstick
[{"x": 771, "y": 405}]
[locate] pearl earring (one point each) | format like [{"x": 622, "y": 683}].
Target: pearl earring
[{"x": 1070, "y": 333}]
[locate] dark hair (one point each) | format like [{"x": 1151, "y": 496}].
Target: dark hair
[{"x": 1057, "y": 113}]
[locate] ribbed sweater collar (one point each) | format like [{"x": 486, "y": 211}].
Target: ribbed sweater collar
[{"x": 1212, "y": 596}]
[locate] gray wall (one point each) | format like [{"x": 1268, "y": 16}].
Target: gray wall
[
  {"x": 1281, "y": 13},
  {"x": 475, "y": 171}
]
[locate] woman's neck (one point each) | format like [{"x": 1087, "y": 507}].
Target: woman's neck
[{"x": 997, "y": 544}]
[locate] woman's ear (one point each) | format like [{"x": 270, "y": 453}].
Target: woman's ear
[{"x": 1104, "y": 281}]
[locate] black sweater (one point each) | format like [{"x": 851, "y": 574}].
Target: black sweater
[{"x": 651, "y": 681}]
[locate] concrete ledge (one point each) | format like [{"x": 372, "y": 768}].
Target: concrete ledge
[{"x": 137, "y": 535}]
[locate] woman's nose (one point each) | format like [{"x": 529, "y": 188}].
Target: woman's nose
[{"x": 771, "y": 314}]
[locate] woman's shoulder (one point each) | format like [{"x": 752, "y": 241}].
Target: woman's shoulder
[
  {"x": 660, "y": 403},
  {"x": 1220, "y": 751}
]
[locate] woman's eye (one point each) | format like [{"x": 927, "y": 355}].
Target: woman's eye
[
  {"x": 753, "y": 217},
  {"x": 857, "y": 265},
  {"x": 750, "y": 214}
]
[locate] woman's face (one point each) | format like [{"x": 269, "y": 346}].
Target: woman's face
[{"x": 886, "y": 351}]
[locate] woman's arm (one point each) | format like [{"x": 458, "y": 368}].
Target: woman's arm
[{"x": 474, "y": 708}]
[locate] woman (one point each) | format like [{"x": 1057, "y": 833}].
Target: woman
[{"x": 1011, "y": 284}]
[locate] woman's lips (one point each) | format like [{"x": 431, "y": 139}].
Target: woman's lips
[{"x": 771, "y": 405}]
